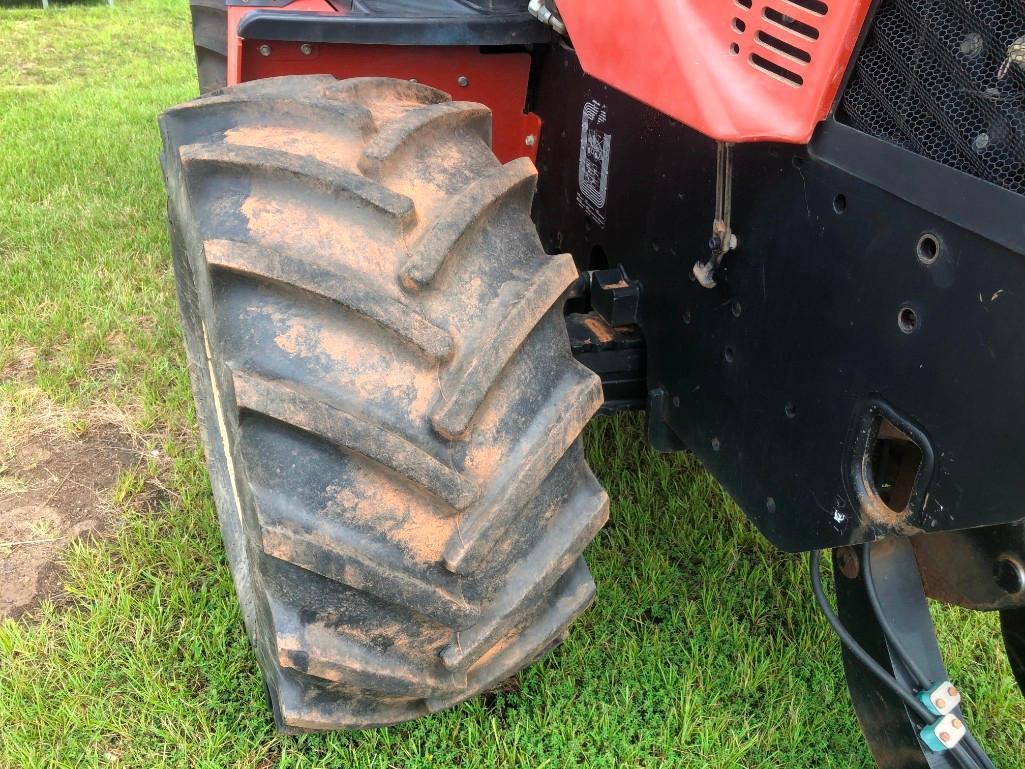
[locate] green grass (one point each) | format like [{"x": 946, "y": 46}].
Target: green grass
[{"x": 703, "y": 649}]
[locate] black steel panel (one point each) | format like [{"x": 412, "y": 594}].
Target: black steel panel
[
  {"x": 984, "y": 209},
  {"x": 766, "y": 376}
]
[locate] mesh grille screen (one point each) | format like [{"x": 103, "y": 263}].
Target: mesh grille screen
[{"x": 928, "y": 79}]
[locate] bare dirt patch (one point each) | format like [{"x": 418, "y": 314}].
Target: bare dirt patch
[
  {"x": 18, "y": 362},
  {"x": 54, "y": 489}
]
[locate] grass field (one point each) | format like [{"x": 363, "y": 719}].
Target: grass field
[{"x": 703, "y": 648}]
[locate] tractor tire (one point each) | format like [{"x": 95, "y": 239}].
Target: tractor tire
[
  {"x": 210, "y": 39},
  {"x": 387, "y": 399}
]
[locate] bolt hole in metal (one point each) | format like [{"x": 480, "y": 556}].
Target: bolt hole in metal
[
  {"x": 840, "y": 203},
  {"x": 729, "y": 354},
  {"x": 736, "y": 308},
  {"x": 790, "y": 410},
  {"x": 1009, "y": 575},
  {"x": 907, "y": 319},
  {"x": 928, "y": 248}
]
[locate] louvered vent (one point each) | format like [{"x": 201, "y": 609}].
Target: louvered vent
[{"x": 784, "y": 33}]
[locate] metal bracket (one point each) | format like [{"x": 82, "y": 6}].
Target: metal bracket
[
  {"x": 722, "y": 240},
  {"x": 615, "y": 297},
  {"x": 660, "y": 434},
  {"x": 981, "y": 568},
  {"x": 891, "y": 733},
  {"x": 616, "y": 355}
]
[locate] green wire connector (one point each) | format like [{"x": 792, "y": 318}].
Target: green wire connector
[
  {"x": 941, "y": 699},
  {"x": 943, "y": 733}
]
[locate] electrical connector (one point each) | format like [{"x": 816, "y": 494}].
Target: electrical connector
[
  {"x": 943, "y": 733},
  {"x": 941, "y": 698}
]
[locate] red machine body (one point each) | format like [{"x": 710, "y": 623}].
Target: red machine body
[
  {"x": 498, "y": 80},
  {"x": 736, "y": 70}
]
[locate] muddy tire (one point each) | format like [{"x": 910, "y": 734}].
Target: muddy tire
[
  {"x": 210, "y": 39},
  {"x": 389, "y": 406}
]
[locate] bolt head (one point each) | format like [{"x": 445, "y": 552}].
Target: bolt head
[
  {"x": 956, "y": 723},
  {"x": 531, "y": 140},
  {"x": 850, "y": 566},
  {"x": 952, "y": 691},
  {"x": 463, "y": 81},
  {"x": 945, "y": 736},
  {"x": 306, "y": 49},
  {"x": 264, "y": 50},
  {"x": 941, "y": 703}
]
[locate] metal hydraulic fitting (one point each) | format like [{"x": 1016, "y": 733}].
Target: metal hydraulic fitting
[
  {"x": 941, "y": 699},
  {"x": 542, "y": 13},
  {"x": 943, "y": 733}
]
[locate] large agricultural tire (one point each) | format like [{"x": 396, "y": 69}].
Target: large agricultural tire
[
  {"x": 210, "y": 40},
  {"x": 388, "y": 403}
]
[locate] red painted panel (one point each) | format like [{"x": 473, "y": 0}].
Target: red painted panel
[
  {"x": 737, "y": 71},
  {"x": 496, "y": 80}
]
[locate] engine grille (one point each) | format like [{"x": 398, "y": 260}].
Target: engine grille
[{"x": 929, "y": 79}]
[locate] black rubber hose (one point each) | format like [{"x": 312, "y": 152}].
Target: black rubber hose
[
  {"x": 964, "y": 756},
  {"x": 976, "y": 750},
  {"x": 856, "y": 649}
]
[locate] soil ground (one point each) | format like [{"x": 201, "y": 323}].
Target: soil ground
[{"x": 56, "y": 490}]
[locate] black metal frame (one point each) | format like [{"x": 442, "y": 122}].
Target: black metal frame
[
  {"x": 766, "y": 377},
  {"x": 614, "y": 354},
  {"x": 871, "y": 288},
  {"x": 890, "y": 730}
]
